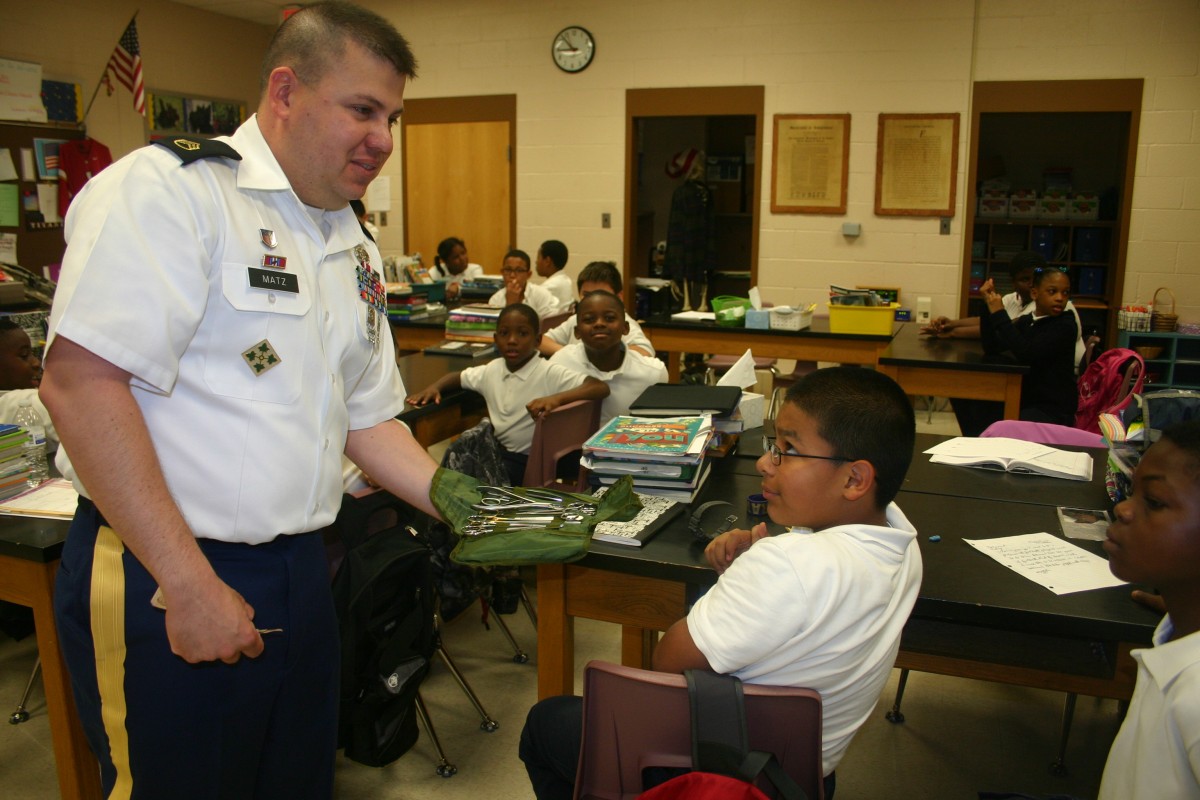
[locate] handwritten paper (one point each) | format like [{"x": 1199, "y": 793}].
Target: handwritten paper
[{"x": 1058, "y": 565}]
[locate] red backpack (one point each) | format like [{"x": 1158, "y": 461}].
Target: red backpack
[{"x": 1108, "y": 385}]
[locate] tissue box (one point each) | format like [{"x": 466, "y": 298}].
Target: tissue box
[
  {"x": 752, "y": 408},
  {"x": 758, "y": 319}
]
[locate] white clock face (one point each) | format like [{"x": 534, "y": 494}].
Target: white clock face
[{"x": 573, "y": 49}]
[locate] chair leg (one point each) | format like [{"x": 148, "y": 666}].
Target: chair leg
[
  {"x": 529, "y": 609},
  {"x": 894, "y": 716},
  {"x": 444, "y": 767},
  {"x": 519, "y": 655},
  {"x": 21, "y": 714},
  {"x": 1059, "y": 767},
  {"x": 487, "y": 724}
]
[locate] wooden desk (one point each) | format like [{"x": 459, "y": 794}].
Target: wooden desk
[
  {"x": 422, "y": 333},
  {"x": 973, "y": 617},
  {"x": 815, "y": 343},
  {"x": 925, "y": 365},
  {"x": 459, "y": 409},
  {"x": 29, "y": 554}
]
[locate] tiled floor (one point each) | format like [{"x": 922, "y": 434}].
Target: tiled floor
[{"x": 960, "y": 737}]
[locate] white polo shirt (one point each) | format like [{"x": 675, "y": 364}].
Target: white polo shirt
[
  {"x": 625, "y": 383},
  {"x": 507, "y": 393},
  {"x": 156, "y": 281},
  {"x": 1156, "y": 755},
  {"x": 559, "y": 284},
  {"x": 819, "y": 610},
  {"x": 536, "y": 298}
]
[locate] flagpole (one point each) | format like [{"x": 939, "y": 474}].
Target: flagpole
[{"x": 105, "y": 73}]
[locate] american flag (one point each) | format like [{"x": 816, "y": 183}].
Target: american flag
[{"x": 125, "y": 63}]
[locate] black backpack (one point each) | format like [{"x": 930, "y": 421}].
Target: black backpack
[{"x": 383, "y": 593}]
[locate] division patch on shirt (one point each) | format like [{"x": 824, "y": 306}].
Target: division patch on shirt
[{"x": 262, "y": 357}]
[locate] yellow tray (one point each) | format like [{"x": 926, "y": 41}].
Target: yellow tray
[{"x": 873, "y": 320}]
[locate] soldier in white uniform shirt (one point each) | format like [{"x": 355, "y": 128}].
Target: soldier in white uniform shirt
[{"x": 218, "y": 341}]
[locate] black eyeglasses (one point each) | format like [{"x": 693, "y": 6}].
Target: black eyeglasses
[{"x": 772, "y": 449}]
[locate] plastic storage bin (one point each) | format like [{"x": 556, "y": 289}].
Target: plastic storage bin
[
  {"x": 871, "y": 320},
  {"x": 786, "y": 318},
  {"x": 730, "y": 311}
]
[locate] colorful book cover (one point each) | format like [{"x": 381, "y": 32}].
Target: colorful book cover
[{"x": 666, "y": 437}]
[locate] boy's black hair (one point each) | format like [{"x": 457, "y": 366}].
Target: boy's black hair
[
  {"x": 7, "y": 324},
  {"x": 521, "y": 254},
  {"x": 1186, "y": 436},
  {"x": 617, "y": 301},
  {"x": 446, "y": 247},
  {"x": 523, "y": 310},
  {"x": 600, "y": 272},
  {"x": 1026, "y": 259},
  {"x": 863, "y": 415},
  {"x": 556, "y": 251}
]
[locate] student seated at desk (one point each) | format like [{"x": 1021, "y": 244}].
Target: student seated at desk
[
  {"x": 596, "y": 277},
  {"x": 452, "y": 266},
  {"x": 518, "y": 289},
  {"x": 600, "y": 325},
  {"x": 551, "y": 258},
  {"x": 20, "y": 375},
  {"x": 819, "y": 606},
  {"x": 518, "y": 388},
  {"x": 1155, "y": 540}
]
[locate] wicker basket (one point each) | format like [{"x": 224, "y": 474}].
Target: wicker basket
[{"x": 1163, "y": 321}]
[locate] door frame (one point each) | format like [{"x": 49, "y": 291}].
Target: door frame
[
  {"x": 479, "y": 108},
  {"x": 1123, "y": 95},
  {"x": 696, "y": 101}
]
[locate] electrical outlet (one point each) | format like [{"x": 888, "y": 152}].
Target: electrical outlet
[
  {"x": 945, "y": 229},
  {"x": 606, "y": 220}
]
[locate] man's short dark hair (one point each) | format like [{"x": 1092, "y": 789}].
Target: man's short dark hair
[
  {"x": 521, "y": 254},
  {"x": 523, "y": 310},
  {"x": 600, "y": 272},
  {"x": 1186, "y": 436},
  {"x": 556, "y": 251},
  {"x": 863, "y": 415},
  {"x": 313, "y": 39},
  {"x": 1026, "y": 259}
]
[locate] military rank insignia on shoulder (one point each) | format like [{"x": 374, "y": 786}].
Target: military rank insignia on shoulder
[{"x": 191, "y": 149}]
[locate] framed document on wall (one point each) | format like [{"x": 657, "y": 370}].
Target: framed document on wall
[
  {"x": 916, "y": 164},
  {"x": 810, "y": 162}
]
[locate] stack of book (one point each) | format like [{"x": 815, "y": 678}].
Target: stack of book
[
  {"x": 673, "y": 399},
  {"x": 406, "y": 307},
  {"x": 14, "y": 472},
  {"x": 472, "y": 323},
  {"x": 665, "y": 455}
]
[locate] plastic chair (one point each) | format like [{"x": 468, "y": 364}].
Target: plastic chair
[
  {"x": 1043, "y": 433},
  {"x": 562, "y": 431},
  {"x": 634, "y": 718}
]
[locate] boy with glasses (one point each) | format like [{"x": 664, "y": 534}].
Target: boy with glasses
[
  {"x": 821, "y": 605},
  {"x": 518, "y": 289}
]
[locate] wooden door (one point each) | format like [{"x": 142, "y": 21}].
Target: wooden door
[{"x": 458, "y": 179}]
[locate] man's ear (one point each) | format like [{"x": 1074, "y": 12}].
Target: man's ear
[
  {"x": 281, "y": 86},
  {"x": 860, "y": 480}
]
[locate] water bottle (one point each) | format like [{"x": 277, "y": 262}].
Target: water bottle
[{"x": 35, "y": 446}]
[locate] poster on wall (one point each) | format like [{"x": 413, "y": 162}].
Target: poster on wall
[
  {"x": 166, "y": 112},
  {"x": 199, "y": 115},
  {"x": 810, "y": 163},
  {"x": 46, "y": 153},
  {"x": 21, "y": 91},
  {"x": 916, "y": 162}
]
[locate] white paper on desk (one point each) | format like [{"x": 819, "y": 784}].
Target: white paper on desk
[
  {"x": 741, "y": 374},
  {"x": 694, "y": 316},
  {"x": 1058, "y": 565},
  {"x": 997, "y": 446},
  {"x": 53, "y": 499},
  {"x": 8, "y": 168}
]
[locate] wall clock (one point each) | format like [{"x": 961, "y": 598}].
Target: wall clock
[{"x": 573, "y": 49}]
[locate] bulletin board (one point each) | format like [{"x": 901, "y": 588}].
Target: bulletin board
[{"x": 38, "y": 242}]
